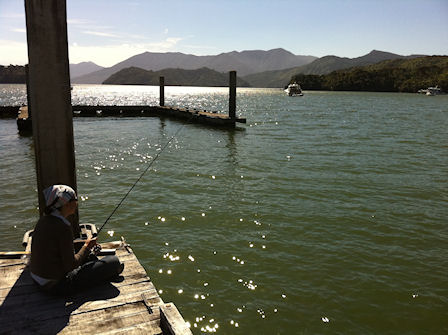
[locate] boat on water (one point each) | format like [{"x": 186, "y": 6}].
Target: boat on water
[
  {"x": 431, "y": 91},
  {"x": 294, "y": 90}
]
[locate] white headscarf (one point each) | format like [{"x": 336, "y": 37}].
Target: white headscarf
[{"x": 57, "y": 196}]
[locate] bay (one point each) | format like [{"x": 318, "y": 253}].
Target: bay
[{"x": 324, "y": 214}]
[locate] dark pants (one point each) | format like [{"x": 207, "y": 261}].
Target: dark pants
[{"x": 91, "y": 273}]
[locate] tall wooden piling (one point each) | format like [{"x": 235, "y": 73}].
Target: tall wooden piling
[
  {"x": 162, "y": 91},
  {"x": 27, "y": 78},
  {"x": 49, "y": 94},
  {"x": 232, "y": 94}
]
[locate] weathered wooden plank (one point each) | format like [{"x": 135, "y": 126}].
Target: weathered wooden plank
[
  {"x": 132, "y": 274},
  {"x": 10, "y": 274},
  {"x": 172, "y": 322},
  {"x": 16, "y": 279},
  {"x": 39, "y": 303},
  {"x": 116, "y": 312},
  {"x": 123, "y": 298},
  {"x": 130, "y": 306},
  {"x": 32, "y": 314},
  {"x": 152, "y": 328},
  {"x": 13, "y": 254},
  {"x": 6, "y": 263},
  {"x": 112, "y": 320}
]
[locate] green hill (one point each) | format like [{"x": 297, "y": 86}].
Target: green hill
[
  {"x": 397, "y": 75},
  {"x": 173, "y": 77},
  {"x": 319, "y": 66}
]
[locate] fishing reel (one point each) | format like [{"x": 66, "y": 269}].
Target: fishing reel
[{"x": 96, "y": 250}]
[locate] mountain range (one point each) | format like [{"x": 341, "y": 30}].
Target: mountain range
[
  {"x": 324, "y": 65},
  {"x": 244, "y": 62},
  {"x": 80, "y": 69},
  {"x": 257, "y": 68}
]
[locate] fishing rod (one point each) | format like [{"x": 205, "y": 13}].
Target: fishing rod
[{"x": 142, "y": 174}]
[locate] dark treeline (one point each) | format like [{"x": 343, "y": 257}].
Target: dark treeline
[
  {"x": 12, "y": 74},
  {"x": 399, "y": 75},
  {"x": 175, "y": 77}
]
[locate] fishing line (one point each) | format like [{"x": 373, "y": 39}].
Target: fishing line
[{"x": 141, "y": 175}]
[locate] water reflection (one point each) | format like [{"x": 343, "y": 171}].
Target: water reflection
[{"x": 284, "y": 187}]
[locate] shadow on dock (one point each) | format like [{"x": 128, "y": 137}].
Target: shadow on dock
[
  {"x": 26, "y": 309},
  {"x": 129, "y": 306}
]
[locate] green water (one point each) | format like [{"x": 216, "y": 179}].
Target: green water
[{"x": 324, "y": 214}]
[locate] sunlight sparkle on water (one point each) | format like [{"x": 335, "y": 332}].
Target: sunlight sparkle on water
[{"x": 261, "y": 312}]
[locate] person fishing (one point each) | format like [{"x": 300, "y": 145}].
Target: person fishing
[{"x": 55, "y": 267}]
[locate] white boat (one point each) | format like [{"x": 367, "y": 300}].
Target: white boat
[
  {"x": 294, "y": 89},
  {"x": 433, "y": 91}
]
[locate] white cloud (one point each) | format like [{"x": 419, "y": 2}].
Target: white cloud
[
  {"x": 16, "y": 53},
  {"x": 19, "y": 30},
  {"x": 99, "y": 33},
  {"x": 111, "y": 54},
  {"x": 77, "y": 22},
  {"x": 13, "y": 52}
]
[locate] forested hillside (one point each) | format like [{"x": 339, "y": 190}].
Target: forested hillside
[
  {"x": 398, "y": 75},
  {"x": 321, "y": 66},
  {"x": 173, "y": 77}
]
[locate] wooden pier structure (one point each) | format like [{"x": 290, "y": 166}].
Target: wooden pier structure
[
  {"x": 212, "y": 118},
  {"x": 129, "y": 306},
  {"x": 194, "y": 115}
]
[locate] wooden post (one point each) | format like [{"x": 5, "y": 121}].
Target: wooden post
[
  {"x": 27, "y": 78},
  {"x": 232, "y": 94},
  {"x": 162, "y": 91},
  {"x": 49, "y": 94}
]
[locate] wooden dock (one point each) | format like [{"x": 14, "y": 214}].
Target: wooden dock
[
  {"x": 212, "y": 118},
  {"x": 191, "y": 114},
  {"x": 129, "y": 306}
]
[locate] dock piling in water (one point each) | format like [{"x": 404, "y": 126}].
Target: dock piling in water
[
  {"x": 232, "y": 94},
  {"x": 162, "y": 91},
  {"x": 49, "y": 94}
]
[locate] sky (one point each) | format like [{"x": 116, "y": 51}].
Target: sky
[{"x": 109, "y": 31}]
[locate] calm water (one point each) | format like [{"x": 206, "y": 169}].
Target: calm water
[{"x": 325, "y": 214}]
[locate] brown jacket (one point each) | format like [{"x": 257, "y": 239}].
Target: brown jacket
[{"x": 52, "y": 250}]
